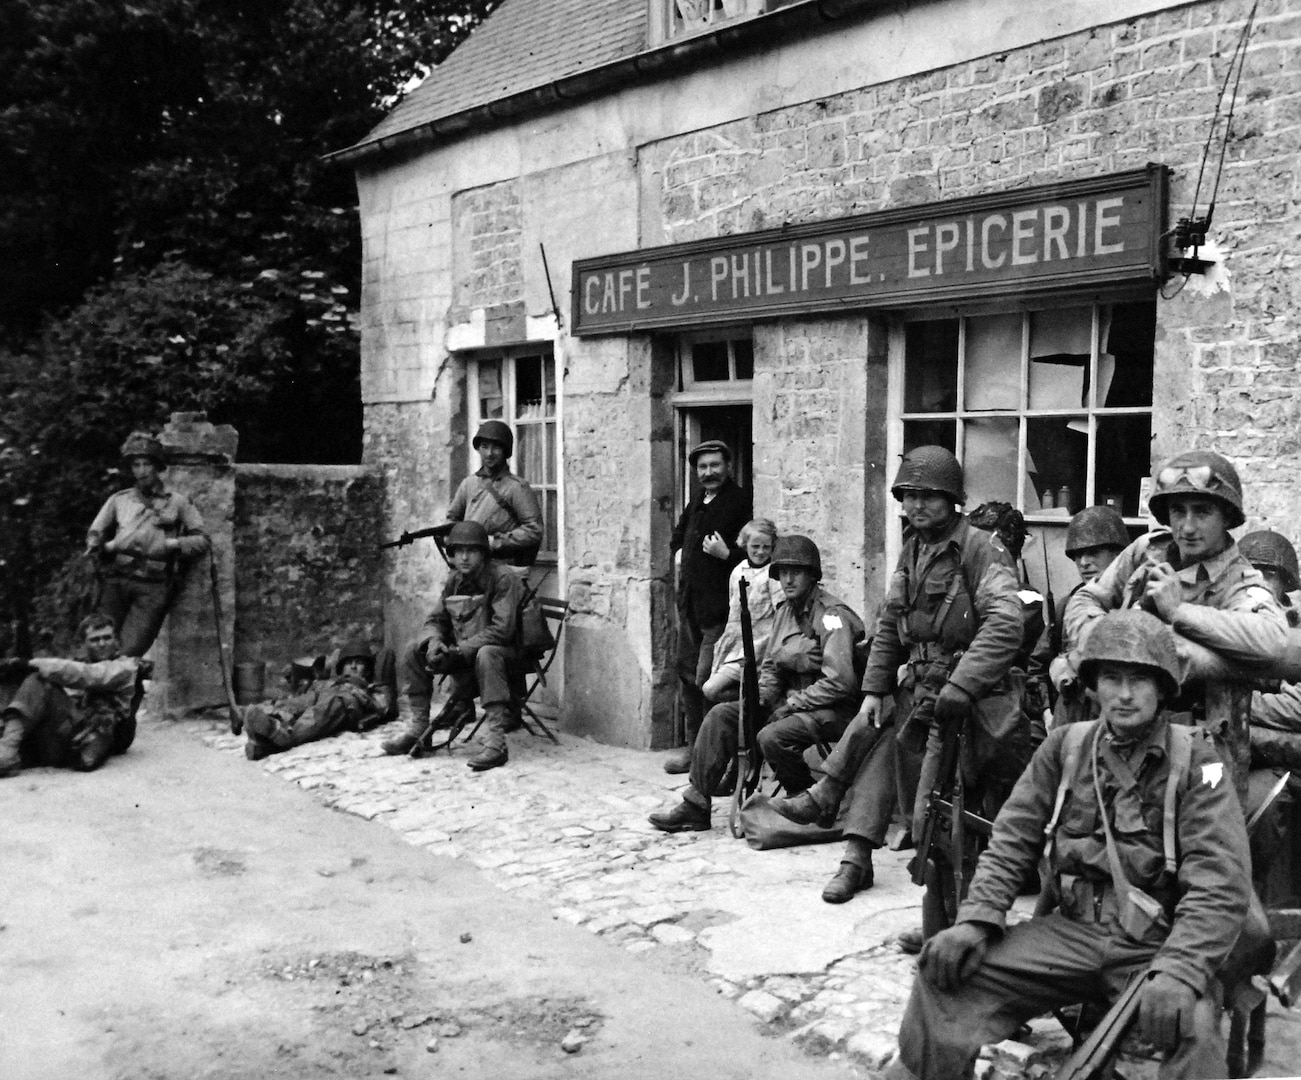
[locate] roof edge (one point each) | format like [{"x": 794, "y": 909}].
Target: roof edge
[{"x": 661, "y": 60}]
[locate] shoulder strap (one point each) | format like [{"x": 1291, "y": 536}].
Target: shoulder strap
[
  {"x": 491, "y": 488},
  {"x": 1119, "y": 880},
  {"x": 1181, "y": 756},
  {"x": 1072, "y": 746}
]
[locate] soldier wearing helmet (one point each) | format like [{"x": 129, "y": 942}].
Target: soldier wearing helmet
[
  {"x": 144, "y": 534},
  {"x": 705, "y": 540},
  {"x": 469, "y": 637},
  {"x": 808, "y": 688},
  {"x": 503, "y": 503},
  {"x": 952, "y": 624},
  {"x": 351, "y": 701},
  {"x": 1094, "y": 537},
  {"x": 1195, "y": 580},
  {"x": 980, "y": 979}
]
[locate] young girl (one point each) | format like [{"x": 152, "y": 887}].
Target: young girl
[{"x": 757, "y": 538}]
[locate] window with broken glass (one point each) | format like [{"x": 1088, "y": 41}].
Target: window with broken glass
[
  {"x": 1049, "y": 410},
  {"x": 519, "y": 387}
]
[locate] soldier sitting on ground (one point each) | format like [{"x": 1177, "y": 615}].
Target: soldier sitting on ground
[
  {"x": 808, "y": 688},
  {"x": 73, "y": 713},
  {"x": 1092, "y": 804},
  {"x": 351, "y": 701},
  {"x": 469, "y": 638}
]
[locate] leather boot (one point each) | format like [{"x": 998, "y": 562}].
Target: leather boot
[
  {"x": 414, "y": 717},
  {"x": 804, "y": 809},
  {"x": 679, "y": 761},
  {"x": 10, "y": 742},
  {"x": 685, "y": 817},
  {"x": 849, "y": 880},
  {"x": 494, "y": 751}
]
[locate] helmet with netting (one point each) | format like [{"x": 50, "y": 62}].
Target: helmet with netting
[
  {"x": 1096, "y": 527},
  {"x": 1268, "y": 548},
  {"x": 1136, "y": 638},
  {"x": 929, "y": 468},
  {"x": 355, "y": 650}
]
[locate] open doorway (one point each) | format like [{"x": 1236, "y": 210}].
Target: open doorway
[{"x": 733, "y": 424}]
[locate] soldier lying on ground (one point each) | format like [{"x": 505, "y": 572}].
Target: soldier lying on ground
[
  {"x": 144, "y": 534},
  {"x": 469, "y": 639},
  {"x": 351, "y": 701},
  {"x": 980, "y": 979},
  {"x": 952, "y": 620},
  {"x": 73, "y": 713},
  {"x": 1094, "y": 537},
  {"x": 808, "y": 689}
]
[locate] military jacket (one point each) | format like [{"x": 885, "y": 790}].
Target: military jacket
[
  {"x": 1205, "y": 899},
  {"x": 364, "y": 704},
  {"x": 474, "y": 610},
  {"x": 983, "y": 620},
  {"x": 810, "y": 660},
  {"x": 142, "y": 524},
  {"x": 94, "y": 687},
  {"x": 513, "y": 531},
  {"x": 1228, "y": 609}
]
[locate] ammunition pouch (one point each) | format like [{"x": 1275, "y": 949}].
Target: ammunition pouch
[{"x": 140, "y": 568}]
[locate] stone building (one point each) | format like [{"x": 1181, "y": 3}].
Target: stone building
[{"x": 824, "y": 230}]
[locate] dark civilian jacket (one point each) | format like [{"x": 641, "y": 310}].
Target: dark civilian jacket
[{"x": 703, "y": 579}]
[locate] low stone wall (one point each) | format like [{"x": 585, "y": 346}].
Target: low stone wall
[{"x": 307, "y": 561}]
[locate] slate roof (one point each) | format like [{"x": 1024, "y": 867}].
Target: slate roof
[{"x": 522, "y": 45}]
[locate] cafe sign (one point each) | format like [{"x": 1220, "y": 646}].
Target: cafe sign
[{"x": 1099, "y": 232}]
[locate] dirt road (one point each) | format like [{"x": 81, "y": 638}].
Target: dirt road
[{"x": 180, "y": 914}]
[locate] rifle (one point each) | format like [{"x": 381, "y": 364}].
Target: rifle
[
  {"x": 438, "y": 532},
  {"x": 1094, "y": 1055},
  {"x": 749, "y": 760},
  {"x": 1050, "y": 606},
  {"x": 236, "y": 721}
]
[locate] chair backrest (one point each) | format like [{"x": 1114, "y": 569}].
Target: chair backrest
[{"x": 555, "y": 612}]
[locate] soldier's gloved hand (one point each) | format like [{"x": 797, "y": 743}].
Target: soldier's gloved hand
[
  {"x": 952, "y": 956},
  {"x": 1165, "y": 1011},
  {"x": 953, "y": 704}
]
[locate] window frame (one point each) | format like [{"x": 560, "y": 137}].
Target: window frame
[
  {"x": 1048, "y": 528},
  {"x": 667, "y": 24},
  {"x": 508, "y": 357}
]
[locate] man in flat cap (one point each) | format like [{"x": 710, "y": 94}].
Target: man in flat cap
[{"x": 706, "y": 535}]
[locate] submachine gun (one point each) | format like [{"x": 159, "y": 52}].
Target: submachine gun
[
  {"x": 749, "y": 758},
  {"x": 945, "y": 845}
]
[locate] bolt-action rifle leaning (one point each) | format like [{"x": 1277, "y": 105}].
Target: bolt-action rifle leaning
[{"x": 749, "y": 759}]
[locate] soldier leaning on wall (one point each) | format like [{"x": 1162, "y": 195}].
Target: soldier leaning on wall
[{"x": 144, "y": 534}]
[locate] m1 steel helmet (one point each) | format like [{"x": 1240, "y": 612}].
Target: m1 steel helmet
[
  {"x": 495, "y": 431},
  {"x": 1201, "y": 474},
  {"x": 1095, "y": 527},
  {"x": 1268, "y": 548},
  {"x": 142, "y": 444},
  {"x": 929, "y": 468},
  {"x": 1135, "y": 637},
  {"x": 795, "y": 551},
  {"x": 467, "y": 534},
  {"x": 355, "y": 650}
]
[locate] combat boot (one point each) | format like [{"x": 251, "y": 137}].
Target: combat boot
[
  {"x": 91, "y": 748},
  {"x": 414, "y": 718},
  {"x": 494, "y": 752},
  {"x": 11, "y": 741}
]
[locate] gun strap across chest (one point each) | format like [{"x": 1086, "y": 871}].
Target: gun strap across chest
[{"x": 487, "y": 485}]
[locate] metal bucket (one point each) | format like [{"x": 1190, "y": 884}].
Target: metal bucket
[{"x": 250, "y": 682}]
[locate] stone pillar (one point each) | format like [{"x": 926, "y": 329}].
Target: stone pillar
[{"x": 201, "y": 458}]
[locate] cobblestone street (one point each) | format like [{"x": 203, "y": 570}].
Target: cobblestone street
[{"x": 565, "y": 826}]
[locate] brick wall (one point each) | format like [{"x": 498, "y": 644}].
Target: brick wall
[{"x": 307, "y": 569}]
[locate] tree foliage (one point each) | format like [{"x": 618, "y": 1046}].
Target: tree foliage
[{"x": 170, "y": 237}]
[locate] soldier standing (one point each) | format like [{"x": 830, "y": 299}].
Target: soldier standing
[
  {"x": 503, "y": 503},
  {"x": 144, "y": 534}
]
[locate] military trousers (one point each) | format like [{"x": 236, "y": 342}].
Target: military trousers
[
  {"x": 1044, "y": 963},
  {"x": 783, "y": 743},
  {"x": 137, "y": 609},
  {"x": 863, "y": 764},
  {"x": 53, "y": 730}
]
